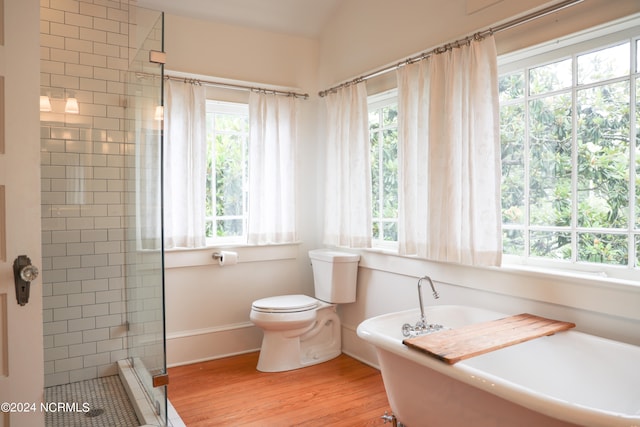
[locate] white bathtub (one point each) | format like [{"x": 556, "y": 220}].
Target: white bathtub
[{"x": 567, "y": 379}]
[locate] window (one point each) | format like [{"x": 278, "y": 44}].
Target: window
[
  {"x": 570, "y": 162},
  {"x": 226, "y": 187},
  {"x": 383, "y": 134}
]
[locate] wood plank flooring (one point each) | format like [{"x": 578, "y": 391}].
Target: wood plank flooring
[{"x": 231, "y": 392}]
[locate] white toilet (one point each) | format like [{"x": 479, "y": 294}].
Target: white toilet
[{"x": 299, "y": 330}]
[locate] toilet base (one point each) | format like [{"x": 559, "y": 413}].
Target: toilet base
[{"x": 282, "y": 352}]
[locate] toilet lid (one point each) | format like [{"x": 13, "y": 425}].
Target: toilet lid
[{"x": 286, "y": 304}]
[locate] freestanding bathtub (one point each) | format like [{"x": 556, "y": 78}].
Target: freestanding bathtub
[{"x": 567, "y": 379}]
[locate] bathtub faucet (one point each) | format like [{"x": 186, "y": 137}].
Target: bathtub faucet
[
  {"x": 422, "y": 327},
  {"x": 423, "y": 320}
]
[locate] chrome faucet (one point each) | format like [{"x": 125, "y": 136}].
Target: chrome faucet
[
  {"x": 422, "y": 327},
  {"x": 423, "y": 320}
]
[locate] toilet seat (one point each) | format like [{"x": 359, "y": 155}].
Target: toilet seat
[{"x": 285, "y": 304}]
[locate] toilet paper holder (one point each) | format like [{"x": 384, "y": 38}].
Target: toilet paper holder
[{"x": 225, "y": 257}]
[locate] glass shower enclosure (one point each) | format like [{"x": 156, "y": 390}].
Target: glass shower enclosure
[{"x": 144, "y": 255}]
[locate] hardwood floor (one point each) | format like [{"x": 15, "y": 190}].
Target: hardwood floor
[{"x": 231, "y": 392}]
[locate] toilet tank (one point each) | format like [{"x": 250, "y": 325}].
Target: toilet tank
[{"x": 334, "y": 275}]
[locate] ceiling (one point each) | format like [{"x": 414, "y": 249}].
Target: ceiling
[{"x": 298, "y": 17}]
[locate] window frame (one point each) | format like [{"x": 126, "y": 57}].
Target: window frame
[{"x": 625, "y": 30}]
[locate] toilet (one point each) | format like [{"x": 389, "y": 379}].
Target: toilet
[{"x": 299, "y": 330}]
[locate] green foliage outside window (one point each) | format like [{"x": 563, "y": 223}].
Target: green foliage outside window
[
  {"x": 566, "y": 159},
  {"x": 383, "y": 134},
  {"x": 227, "y": 135}
]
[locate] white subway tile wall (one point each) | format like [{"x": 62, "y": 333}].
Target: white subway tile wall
[{"x": 84, "y": 54}]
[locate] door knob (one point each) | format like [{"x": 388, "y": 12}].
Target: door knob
[
  {"x": 23, "y": 274},
  {"x": 29, "y": 273}
]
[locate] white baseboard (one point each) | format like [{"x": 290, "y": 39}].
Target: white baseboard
[{"x": 200, "y": 345}]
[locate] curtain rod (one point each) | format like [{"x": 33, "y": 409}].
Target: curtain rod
[
  {"x": 476, "y": 36},
  {"x": 236, "y": 86}
]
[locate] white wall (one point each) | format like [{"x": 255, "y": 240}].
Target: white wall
[
  {"x": 366, "y": 35},
  {"x": 208, "y": 306}
]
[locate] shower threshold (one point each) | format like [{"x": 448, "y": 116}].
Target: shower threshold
[{"x": 145, "y": 409}]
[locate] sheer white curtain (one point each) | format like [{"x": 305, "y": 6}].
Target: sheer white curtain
[
  {"x": 185, "y": 149},
  {"x": 347, "y": 218},
  {"x": 413, "y": 137},
  {"x": 272, "y": 171},
  {"x": 461, "y": 158}
]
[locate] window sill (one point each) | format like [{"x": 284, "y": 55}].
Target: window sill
[
  {"x": 582, "y": 290},
  {"x": 180, "y": 258},
  {"x": 595, "y": 276}
]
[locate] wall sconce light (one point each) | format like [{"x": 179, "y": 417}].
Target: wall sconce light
[
  {"x": 45, "y": 103},
  {"x": 71, "y": 107},
  {"x": 51, "y": 100},
  {"x": 159, "y": 114}
]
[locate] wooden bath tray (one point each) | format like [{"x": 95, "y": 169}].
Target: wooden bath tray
[{"x": 454, "y": 345}]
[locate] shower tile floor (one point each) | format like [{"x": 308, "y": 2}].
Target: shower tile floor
[{"x": 107, "y": 404}]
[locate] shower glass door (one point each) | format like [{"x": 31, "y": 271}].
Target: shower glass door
[{"x": 143, "y": 201}]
